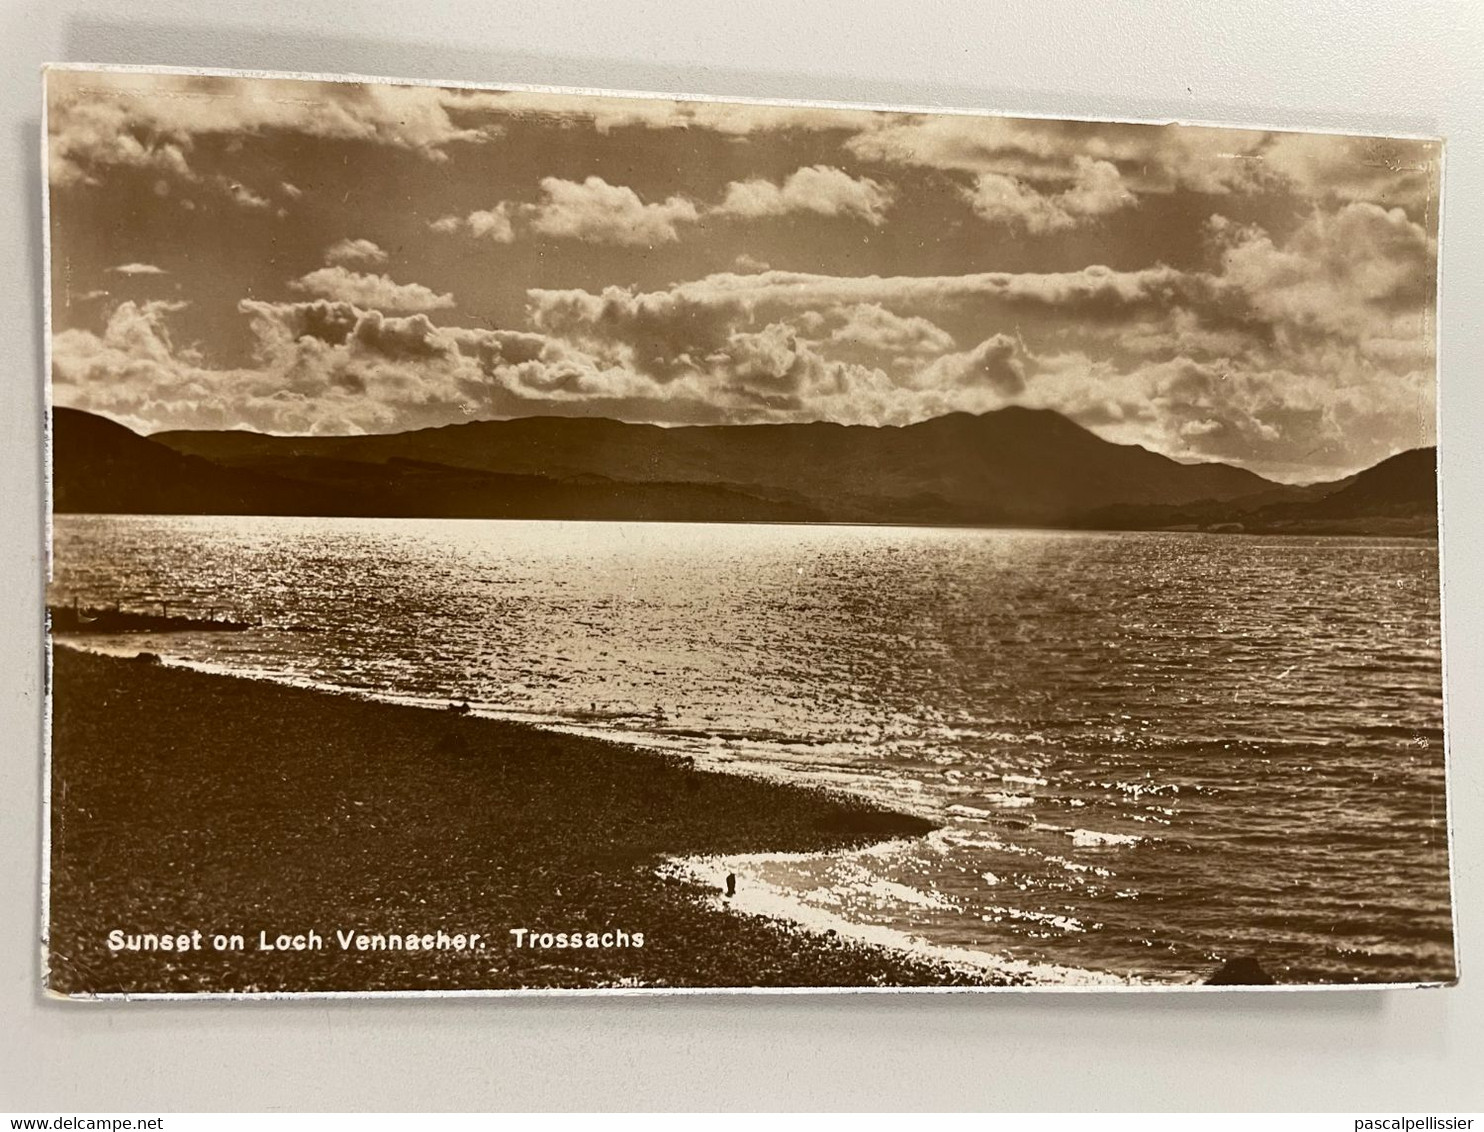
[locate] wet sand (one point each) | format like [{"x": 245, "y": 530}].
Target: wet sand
[{"x": 183, "y": 801}]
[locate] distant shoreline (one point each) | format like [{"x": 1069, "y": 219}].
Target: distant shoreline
[
  {"x": 1335, "y": 529},
  {"x": 189, "y": 802},
  {"x": 1011, "y": 467}
]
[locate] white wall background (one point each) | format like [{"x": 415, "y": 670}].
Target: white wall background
[{"x": 1361, "y": 65}]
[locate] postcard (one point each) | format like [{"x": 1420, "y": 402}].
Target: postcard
[{"x": 515, "y": 540}]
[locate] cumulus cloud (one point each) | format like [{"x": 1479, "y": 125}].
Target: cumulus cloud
[
  {"x": 367, "y": 290},
  {"x": 1304, "y": 357},
  {"x": 1356, "y": 271},
  {"x": 277, "y": 326},
  {"x": 490, "y": 224},
  {"x": 1300, "y": 352},
  {"x": 599, "y": 212},
  {"x": 591, "y": 210},
  {"x": 99, "y": 119},
  {"x": 993, "y": 365},
  {"x": 1390, "y": 172},
  {"x": 1323, "y": 168},
  {"x": 1288, "y": 424},
  {"x": 241, "y": 195},
  {"x": 1152, "y": 158},
  {"x": 1298, "y": 336},
  {"x": 1295, "y": 355},
  {"x": 614, "y": 214},
  {"x": 137, "y": 331},
  {"x": 348, "y": 251},
  {"x": 1355, "y": 282},
  {"x": 661, "y": 334},
  {"x": 873, "y": 326},
  {"x": 329, "y": 367},
  {"x": 1090, "y": 292},
  {"x": 787, "y": 350},
  {"x": 820, "y": 189},
  {"x": 1096, "y": 190},
  {"x": 780, "y": 345},
  {"x": 134, "y": 373}
]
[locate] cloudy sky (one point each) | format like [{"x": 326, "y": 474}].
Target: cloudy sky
[{"x": 304, "y": 257}]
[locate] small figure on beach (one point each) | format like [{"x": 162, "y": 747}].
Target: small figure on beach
[{"x": 731, "y": 884}]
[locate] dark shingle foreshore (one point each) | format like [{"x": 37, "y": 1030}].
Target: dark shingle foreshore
[{"x": 184, "y": 802}]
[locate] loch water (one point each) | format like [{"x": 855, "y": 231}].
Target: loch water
[{"x": 1147, "y": 752}]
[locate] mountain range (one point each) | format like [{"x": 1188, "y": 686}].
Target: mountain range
[{"x": 1012, "y": 467}]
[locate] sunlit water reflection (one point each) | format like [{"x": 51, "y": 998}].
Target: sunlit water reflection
[{"x": 1147, "y": 751}]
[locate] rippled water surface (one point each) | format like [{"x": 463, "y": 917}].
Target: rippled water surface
[{"x": 1148, "y": 751}]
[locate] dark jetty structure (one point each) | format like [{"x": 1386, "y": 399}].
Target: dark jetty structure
[{"x": 75, "y": 619}]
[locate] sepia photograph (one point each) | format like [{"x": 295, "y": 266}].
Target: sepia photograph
[{"x": 525, "y": 540}]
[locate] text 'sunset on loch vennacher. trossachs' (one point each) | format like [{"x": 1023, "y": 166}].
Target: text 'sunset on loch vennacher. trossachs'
[{"x": 520, "y": 540}]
